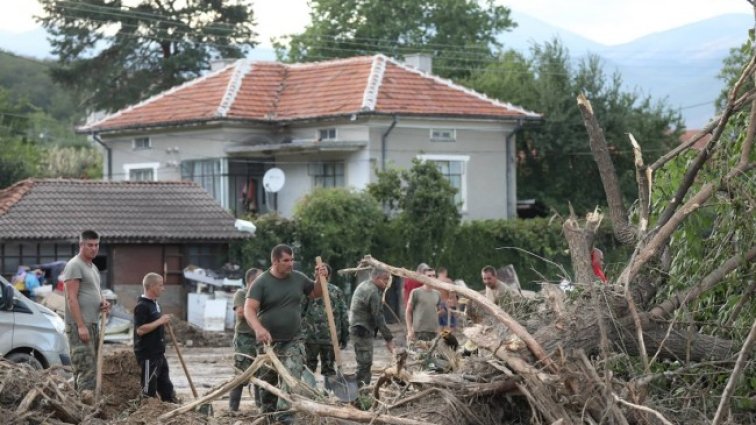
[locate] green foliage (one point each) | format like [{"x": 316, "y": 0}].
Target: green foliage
[
  {"x": 336, "y": 224},
  {"x": 554, "y": 153},
  {"x": 459, "y": 34},
  {"x": 732, "y": 68},
  {"x": 77, "y": 162},
  {"x": 427, "y": 214},
  {"x": 119, "y": 55},
  {"x": 272, "y": 229}
]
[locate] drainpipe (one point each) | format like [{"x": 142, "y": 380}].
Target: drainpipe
[
  {"x": 96, "y": 138},
  {"x": 384, "y": 142},
  {"x": 511, "y": 151}
]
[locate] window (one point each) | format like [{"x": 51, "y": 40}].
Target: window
[
  {"x": 454, "y": 168},
  {"x": 142, "y": 143},
  {"x": 327, "y": 134},
  {"x": 141, "y": 175},
  {"x": 145, "y": 172},
  {"x": 443, "y": 135},
  {"x": 208, "y": 173},
  {"x": 327, "y": 174}
]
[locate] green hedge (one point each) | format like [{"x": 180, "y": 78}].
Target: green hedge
[{"x": 473, "y": 245}]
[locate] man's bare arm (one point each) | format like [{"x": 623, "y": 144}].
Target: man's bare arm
[
  {"x": 149, "y": 327},
  {"x": 72, "y": 295},
  {"x": 251, "y": 307}
]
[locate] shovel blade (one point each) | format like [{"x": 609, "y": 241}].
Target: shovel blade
[{"x": 343, "y": 386}]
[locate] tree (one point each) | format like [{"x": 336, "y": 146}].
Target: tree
[
  {"x": 427, "y": 214},
  {"x": 553, "y": 153},
  {"x": 118, "y": 55},
  {"x": 459, "y": 34}
]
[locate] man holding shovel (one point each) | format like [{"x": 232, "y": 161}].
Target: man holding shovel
[
  {"x": 149, "y": 340},
  {"x": 317, "y": 335},
  {"x": 274, "y": 311},
  {"x": 84, "y": 304}
]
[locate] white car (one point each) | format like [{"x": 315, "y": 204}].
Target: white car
[{"x": 29, "y": 332}]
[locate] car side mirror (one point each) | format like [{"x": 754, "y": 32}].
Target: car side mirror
[{"x": 7, "y": 301}]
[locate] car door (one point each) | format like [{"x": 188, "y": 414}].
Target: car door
[{"x": 7, "y": 321}]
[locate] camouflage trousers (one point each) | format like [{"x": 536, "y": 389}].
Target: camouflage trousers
[
  {"x": 84, "y": 356},
  {"x": 292, "y": 355},
  {"x": 313, "y": 350},
  {"x": 245, "y": 347},
  {"x": 363, "y": 351}
]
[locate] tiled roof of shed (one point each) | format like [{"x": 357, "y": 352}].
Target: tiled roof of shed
[
  {"x": 58, "y": 209},
  {"x": 272, "y": 91}
]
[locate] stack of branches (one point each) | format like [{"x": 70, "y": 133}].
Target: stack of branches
[{"x": 41, "y": 396}]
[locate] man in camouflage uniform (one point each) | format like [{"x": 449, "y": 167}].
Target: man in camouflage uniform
[
  {"x": 84, "y": 304},
  {"x": 367, "y": 320},
  {"x": 316, "y": 332},
  {"x": 244, "y": 342},
  {"x": 273, "y": 309}
]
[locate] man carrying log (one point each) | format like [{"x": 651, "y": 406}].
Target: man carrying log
[
  {"x": 244, "y": 341},
  {"x": 367, "y": 319},
  {"x": 149, "y": 340},
  {"x": 273, "y": 309},
  {"x": 422, "y": 312}
]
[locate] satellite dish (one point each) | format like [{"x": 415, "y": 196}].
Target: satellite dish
[{"x": 273, "y": 180}]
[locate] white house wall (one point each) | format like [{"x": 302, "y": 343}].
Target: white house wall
[{"x": 483, "y": 142}]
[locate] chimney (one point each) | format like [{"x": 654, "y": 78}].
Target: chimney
[{"x": 423, "y": 62}]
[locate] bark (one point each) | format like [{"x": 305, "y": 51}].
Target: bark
[
  {"x": 580, "y": 241},
  {"x": 623, "y": 230}
]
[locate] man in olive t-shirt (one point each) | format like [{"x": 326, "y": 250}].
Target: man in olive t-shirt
[
  {"x": 273, "y": 309},
  {"x": 83, "y": 306}
]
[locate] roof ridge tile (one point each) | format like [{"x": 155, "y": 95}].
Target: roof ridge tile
[
  {"x": 377, "y": 70},
  {"x": 242, "y": 68}
]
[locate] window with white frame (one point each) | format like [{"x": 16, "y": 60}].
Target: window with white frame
[
  {"x": 327, "y": 134},
  {"x": 327, "y": 174},
  {"x": 208, "y": 173},
  {"x": 141, "y": 172},
  {"x": 454, "y": 168},
  {"x": 443, "y": 135},
  {"x": 142, "y": 143}
]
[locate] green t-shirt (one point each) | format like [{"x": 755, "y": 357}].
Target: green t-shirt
[
  {"x": 89, "y": 290},
  {"x": 242, "y": 327},
  {"x": 281, "y": 303},
  {"x": 424, "y": 309}
]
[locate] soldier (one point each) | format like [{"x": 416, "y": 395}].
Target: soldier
[
  {"x": 84, "y": 304},
  {"x": 316, "y": 332},
  {"x": 244, "y": 341},
  {"x": 273, "y": 310},
  {"x": 367, "y": 319}
]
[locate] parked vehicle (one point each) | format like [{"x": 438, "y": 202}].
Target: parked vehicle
[{"x": 30, "y": 332}]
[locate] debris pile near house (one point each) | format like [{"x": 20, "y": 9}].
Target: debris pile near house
[{"x": 191, "y": 336}]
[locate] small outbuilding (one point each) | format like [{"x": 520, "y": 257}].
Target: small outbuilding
[{"x": 161, "y": 226}]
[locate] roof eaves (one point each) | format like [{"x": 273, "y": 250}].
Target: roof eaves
[
  {"x": 455, "y": 86},
  {"x": 242, "y": 68},
  {"x": 169, "y": 125},
  {"x": 93, "y": 126},
  {"x": 11, "y": 195},
  {"x": 377, "y": 70}
]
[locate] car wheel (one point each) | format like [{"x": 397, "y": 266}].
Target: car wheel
[{"x": 25, "y": 358}]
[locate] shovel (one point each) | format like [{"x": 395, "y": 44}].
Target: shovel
[
  {"x": 206, "y": 409},
  {"x": 344, "y": 386},
  {"x": 100, "y": 357}
]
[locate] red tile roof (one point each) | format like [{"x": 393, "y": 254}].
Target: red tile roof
[
  {"x": 271, "y": 91},
  {"x": 59, "y": 209},
  {"x": 690, "y": 134}
]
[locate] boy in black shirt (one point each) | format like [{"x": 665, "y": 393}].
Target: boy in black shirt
[{"x": 149, "y": 340}]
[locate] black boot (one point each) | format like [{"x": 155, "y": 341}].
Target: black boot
[{"x": 234, "y": 398}]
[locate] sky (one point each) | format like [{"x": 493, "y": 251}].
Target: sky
[{"x": 604, "y": 21}]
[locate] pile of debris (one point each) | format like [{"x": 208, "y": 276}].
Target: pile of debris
[{"x": 192, "y": 336}]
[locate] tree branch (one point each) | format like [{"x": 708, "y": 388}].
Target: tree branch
[
  {"x": 675, "y": 301},
  {"x": 739, "y": 364},
  {"x": 643, "y": 176}
]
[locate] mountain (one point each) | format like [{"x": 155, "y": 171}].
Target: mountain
[
  {"x": 32, "y": 43},
  {"x": 679, "y": 65}
]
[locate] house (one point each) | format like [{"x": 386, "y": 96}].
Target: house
[
  {"x": 323, "y": 124},
  {"x": 144, "y": 227},
  {"x": 688, "y": 135}
]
